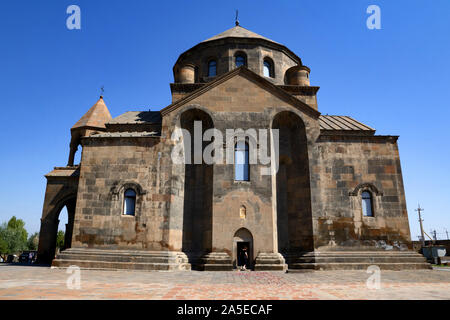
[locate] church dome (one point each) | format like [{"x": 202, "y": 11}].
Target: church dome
[
  {"x": 238, "y": 32},
  {"x": 230, "y": 49}
]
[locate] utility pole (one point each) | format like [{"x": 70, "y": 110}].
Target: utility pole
[
  {"x": 419, "y": 210},
  {"x": 447, "y": 234}
]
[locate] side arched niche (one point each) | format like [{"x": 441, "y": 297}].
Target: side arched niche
[
  {"x": 293, "y": 195},
  {"x": 198, "y": 190}
]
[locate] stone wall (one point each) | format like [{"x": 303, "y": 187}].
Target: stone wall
[
  {"x": 109, "y": 167},
  {"x": 199, "y": 208},
  {"x": 344, "y": 167},
  {"x": 224, "y": 51},
  {"x": 242, "y": 103}
]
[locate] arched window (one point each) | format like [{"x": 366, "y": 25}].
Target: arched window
[
  {"x": 240, "y": 60},
  {"x": 212, "y": 68},
  {"x": 129, "y": 203},
  {"x": 241, "y": 163},
  {"x": 367, "y": 207},
  {"x": 268, "y": 68}
]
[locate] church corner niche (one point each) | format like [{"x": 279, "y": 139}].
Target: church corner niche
[
  {"x": 293, "y": 196},
  {"x": 198, "y": 192}
]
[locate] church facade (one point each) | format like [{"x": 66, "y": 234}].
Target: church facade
[{"x": 330, "y": 197}]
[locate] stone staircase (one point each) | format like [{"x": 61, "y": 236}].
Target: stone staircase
[
  {"x": 122, "y": 259},
  {"x": 219, "y": 261},
  {"x": 214, "y": 261},
  {"x": 270, "y": 261},
  {"x": 356, "y": 260}
]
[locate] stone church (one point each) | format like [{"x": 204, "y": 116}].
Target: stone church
[{"x": 333, "y": 199}]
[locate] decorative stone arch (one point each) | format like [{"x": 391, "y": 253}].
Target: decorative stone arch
[
  {"x": 118, "y": 191},
  {"x": 356, "y": 201},
  {"x": 58, "y": 204},
  {"x": 177, "y": 118},
  {"x": 128, "y": 184},
  {"x": 243, "y": 235},
  {"x": 365, "y": 187},
  {"x": 75, "y": 142},
  {"x": 50, "y": 222},
  {"x": 275, "y": 112}
]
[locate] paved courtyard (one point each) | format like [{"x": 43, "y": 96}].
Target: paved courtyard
[{"x": 32, "y": 282}]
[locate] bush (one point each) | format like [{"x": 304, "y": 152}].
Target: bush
[{"x": 60, "y": 239}]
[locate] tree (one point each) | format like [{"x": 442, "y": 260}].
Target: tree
[
  {"x": 60, "y": 239},
  {"x": 3, "y": 245},
  {"x": 13, "y": 237},
  {"x": 18, "y": 225},
  {"x": 33, "y": 241}
]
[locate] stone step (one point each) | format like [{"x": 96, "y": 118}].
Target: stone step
[
  {"x": 270, "y": 267},
  {"x": 357, "y": 266},
  {"x": 356, "y": 260},
  {"x": 270, "y": 261},
  {"x": 354, "y": 253},
  {"x": 216, "y": 267},
  {"x": 360, "y": 259},
  {"x": 214, "y": 261},
  {"x": 122, "y": 252},
  {"x": 86, "y": 264},
  {"x": 121, "y": 258}
]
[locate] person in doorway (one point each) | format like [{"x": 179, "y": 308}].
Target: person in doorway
[{"x": 244, "y": 258}]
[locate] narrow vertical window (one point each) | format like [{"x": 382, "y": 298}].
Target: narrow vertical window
[
  {"x": 129, "y": 202},
  {"x": 367, "y": 207},
  {"x": 268, "y": 68},
  {"x": 212, "y": 68},
  {"x": 240, "y": 61},
  {"x": 241, "y": 163}
]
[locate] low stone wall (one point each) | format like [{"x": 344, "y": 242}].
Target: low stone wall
[{"x": 417, "y": 245}]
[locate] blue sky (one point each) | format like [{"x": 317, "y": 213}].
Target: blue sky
[{"x": 396, "y": 79}]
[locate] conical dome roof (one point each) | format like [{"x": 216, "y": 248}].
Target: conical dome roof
[
  {"x": 96, "y": 117},
  {"x": 238, "y": 32}
]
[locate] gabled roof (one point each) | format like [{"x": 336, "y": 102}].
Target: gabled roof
[
  {"x": 238, "y": 32},
  {"x": 244, "y": 71},
  {"x": 96, "y": 117}
]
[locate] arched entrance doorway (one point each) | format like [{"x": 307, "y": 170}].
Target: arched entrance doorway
[
  {"x": 243, "y": 238},
  {"x": 49, "y": 229}
]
